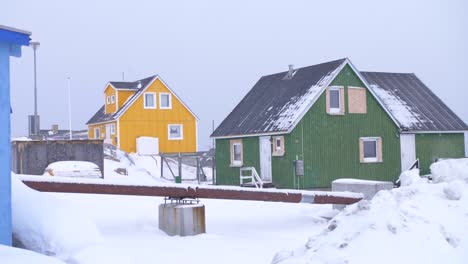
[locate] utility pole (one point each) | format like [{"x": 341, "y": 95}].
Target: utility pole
[
  {"x": 69, "y": 107},
  {"x": 34, "y": 122}
]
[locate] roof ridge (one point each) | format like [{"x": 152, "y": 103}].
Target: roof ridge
[
  {"x": 387, "y": 72},
  {"x": 309, "y": 66}
]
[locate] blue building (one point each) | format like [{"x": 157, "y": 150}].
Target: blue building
[{"x": 11, "y": 41}]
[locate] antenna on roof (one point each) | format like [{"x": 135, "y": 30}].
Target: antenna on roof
[{"x": 123, "y": 76}]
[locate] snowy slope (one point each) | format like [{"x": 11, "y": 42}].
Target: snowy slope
[
  {"x": 11, "y": 255},
  {"x": 418, "y": 223}
]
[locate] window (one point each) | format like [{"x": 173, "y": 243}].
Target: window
[
  {"x": 112, "y": 128},
  {"x": 97, "y": 133},
  {"x": 150, "y": 100},
  {"x": 236, "y": 153},
  {"x": 113, "y": 99},
  {"x": 175, "y": 132},
  {"x": 108, "y": 99},
  {"x": 278, "y": 146},
  {"x": 335, "y": 100},
  {"x": 357, "y": 100},
  {"x": 370, "y": 149},
  {"x": 165, "y": 101}
]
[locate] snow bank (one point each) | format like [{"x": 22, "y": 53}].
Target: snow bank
[
  {"x": 420, "y": 222},
  {"x": 47, "y": 224},
  {"x": 450, "y": 170},
  {"x": 20, "y": 256},
  {"x": 411, "y": 177}
]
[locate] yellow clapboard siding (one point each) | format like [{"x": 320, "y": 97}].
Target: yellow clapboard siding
[
  {"x": 102, "y": 128},
  {"x": 111, "y": 107},
  {"x": 123, "y": 96},
  {"x": 138, "y": 121}
]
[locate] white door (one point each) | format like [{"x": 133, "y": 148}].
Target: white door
[
  {"x": 408, "y": 150},
  {"x": 265, "y": 158},
  {"x": 108, "y": 134}
]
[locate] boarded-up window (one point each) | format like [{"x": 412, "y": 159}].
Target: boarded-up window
[
  {"x": 357, "y": 103},
  {"x": 335, "y": 100},
  {"x": 278, "y": 146},
  {"x": 370, "y": 149},
  {"x": 237, "y": 154}
]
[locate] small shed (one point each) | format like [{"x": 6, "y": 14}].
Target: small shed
[{"x": 11, "y": 40}]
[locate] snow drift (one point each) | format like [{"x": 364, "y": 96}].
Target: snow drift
[
  {"x": 47, "y": 224},
  {"x": 21, "y": 256},
  {"x": 420, "y": 222}
]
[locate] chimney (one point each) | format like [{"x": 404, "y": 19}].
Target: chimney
[
  {"x": 55, "y": 129},
  {"x": 139, "y": 85},
  {"x": 290, "y": 73}
]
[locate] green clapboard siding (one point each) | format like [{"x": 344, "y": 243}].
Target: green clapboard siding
[
  {"x": 329, "y": 144},
  {"x": 430, "y": 147},
  {"x": 227, "y": 175}
]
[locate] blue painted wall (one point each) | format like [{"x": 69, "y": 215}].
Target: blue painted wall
[{"x": 10, "y": 45}]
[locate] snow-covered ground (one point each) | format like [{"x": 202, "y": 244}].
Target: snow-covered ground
[
  {"x": 10, "y": 255},
  {"x": 421, "y": 222}
]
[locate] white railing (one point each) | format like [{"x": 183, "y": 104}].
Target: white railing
[{"x": 252, "y": 176}]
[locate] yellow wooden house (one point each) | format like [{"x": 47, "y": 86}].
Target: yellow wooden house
[{"x": 144, "y": 108}]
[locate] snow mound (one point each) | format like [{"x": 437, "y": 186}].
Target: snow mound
[
  {"x": 410, "y": 177},
  {"x": 417, "y": 223},
  {"x": 49, "y": 225},
  {"x": 450, "y": 170},
  {"x": 21, "y": 256}
]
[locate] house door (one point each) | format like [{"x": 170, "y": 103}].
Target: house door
[
  {"x": 108, "y": 138},
  {"x": 408, "y": 150},
  {"x": 265, "y": 158}
]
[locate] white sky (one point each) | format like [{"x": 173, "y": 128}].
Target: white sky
[{"x": 212, "y": 52}]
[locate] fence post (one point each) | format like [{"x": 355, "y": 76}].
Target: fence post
[
  {"x": 198, "y": 169},
  {"x": 162, "y": 166},
  {"x": 213, "y": 170},
  {"x": 178, "y": 178}
]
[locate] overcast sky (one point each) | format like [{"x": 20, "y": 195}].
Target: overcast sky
[{"x": 212, "y": 52}]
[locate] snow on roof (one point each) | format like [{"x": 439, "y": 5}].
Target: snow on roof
[
  {"x": 275, "y": 103},
  {"x": 403, "y": 113}
]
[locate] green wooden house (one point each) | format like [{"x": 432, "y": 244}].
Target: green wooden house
[{"x": 306, "y": 127}]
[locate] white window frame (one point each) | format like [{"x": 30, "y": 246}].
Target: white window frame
[
  {"x": 113, "y": 99},
  {"x": 181, "y": 127},
  {"x": 370, "y": 139},
  {"x": 160, "y": 101},
  {"x": 234, "y": 161},
  {"x": 278, "y": 140},
  {"x": 331, "y": 109},
  {"x": 108, "y": 99},
  {"x": 144, "y": 100},
  {"x": 97, "y": 131},
  {"x": 112, "y": 129}
]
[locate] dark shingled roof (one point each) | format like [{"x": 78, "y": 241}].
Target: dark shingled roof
[
  {"x": 276, "y": 102},
  {"x": 100, "y": 116},
  {"x": 412, "y": 103},
  {"x": 136, "y": 85}
]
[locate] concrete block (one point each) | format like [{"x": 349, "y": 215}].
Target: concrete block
[
  {"x": 366, "y": 187},
  {"x": 182, "y": 219}
]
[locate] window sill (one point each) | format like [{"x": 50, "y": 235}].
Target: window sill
[
  {"x": 339, "y": 114},
  {"x": 278, "y": 154},
  {"x": 235, "y": 165},
  {"x": 175, "y": 138},
  {"x": 165, "y": 108},
  {"x": 371, "y": 161}
]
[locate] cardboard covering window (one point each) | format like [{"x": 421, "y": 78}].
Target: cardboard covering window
[
  {"x": 278, "y": 146},
  {"x": 237, "y": 152},
  {"x": 367, "y": 155},
  {"x": 357, "y": 103},
  {"x": 334, "y": 105}
]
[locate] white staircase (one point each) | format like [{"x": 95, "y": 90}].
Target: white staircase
[{"x": 249, "y": 176}]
